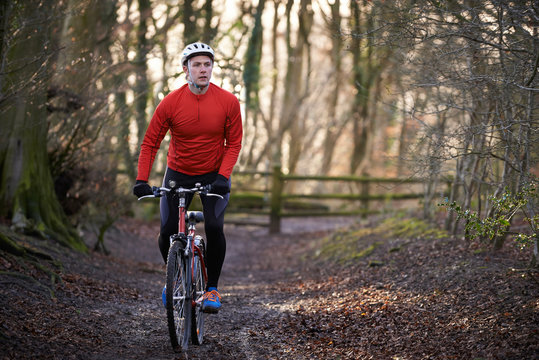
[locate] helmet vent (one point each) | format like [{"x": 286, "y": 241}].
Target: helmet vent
[{"x": 195, "y": 49}]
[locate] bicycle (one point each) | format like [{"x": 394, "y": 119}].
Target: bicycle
[{"x": 186, "y": 275}]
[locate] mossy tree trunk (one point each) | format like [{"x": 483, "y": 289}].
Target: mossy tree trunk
[{"x": 26, "y": 186}]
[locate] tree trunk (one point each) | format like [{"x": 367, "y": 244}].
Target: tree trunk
[
  {"x": 208, "y": 33},
  {"x": 361, "y": 125},
  {"x": 403, "y": 139},
  {"x": 190, "y": 33},
  {"x": 298, "y": 126},
  {"x": 367, "y": 67},
  {"x": 336, "y": 125},
  {"x": 26, "y": 185},
  {"x": 294, "y": 95},
  {"x": 251, "y": 79},
  {"x": 122, "y": 119},
  {"x": 433, "y": 167},
  {"x": 141, "y": 68},
  {"x": 272, "y": 144}
]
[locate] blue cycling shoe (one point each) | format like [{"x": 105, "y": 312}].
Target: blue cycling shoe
[
  {"x": 211, "y": 302},
  {"x": 164, "y": 296}
]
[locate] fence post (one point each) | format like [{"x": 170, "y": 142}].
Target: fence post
[
  {"x": 365, "y": 197},
  {"x": 276, "y": 192}
]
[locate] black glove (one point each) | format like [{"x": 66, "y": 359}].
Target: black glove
[
  {"x": 142, "y": 188},
  {"x": 220, "y": 185}
]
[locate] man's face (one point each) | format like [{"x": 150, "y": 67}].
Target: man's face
[{"x": 201, "y": 68}]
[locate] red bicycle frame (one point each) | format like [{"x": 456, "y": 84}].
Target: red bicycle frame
[{"x": 195, "y": 249}]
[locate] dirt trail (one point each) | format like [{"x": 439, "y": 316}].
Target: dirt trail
[
  {"x": 109, "y": 307},
  {"x": 420, "y": 299}
]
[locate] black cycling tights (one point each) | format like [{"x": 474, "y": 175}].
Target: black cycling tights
[{"x": 214, "y": 217}]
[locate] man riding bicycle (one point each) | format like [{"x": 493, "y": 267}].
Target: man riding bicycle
[{"x": 205, "y": 124}]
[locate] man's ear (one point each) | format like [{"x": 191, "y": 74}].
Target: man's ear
[{"x": 184, "y": 69}]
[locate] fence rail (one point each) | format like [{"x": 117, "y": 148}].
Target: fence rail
[{"x": 272, "y": 198}]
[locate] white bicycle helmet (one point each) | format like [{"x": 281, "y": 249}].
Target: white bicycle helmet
[{"x": 196, "y": 49}]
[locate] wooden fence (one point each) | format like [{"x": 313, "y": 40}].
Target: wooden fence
[{"x": 271, "y": 200}]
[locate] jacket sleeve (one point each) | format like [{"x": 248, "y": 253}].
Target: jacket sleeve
[
  {"x": 155, "y": 133},
  {"x": 233, "y": 138}
]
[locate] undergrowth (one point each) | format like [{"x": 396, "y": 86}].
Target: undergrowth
[{"x": 350, "y": 245}]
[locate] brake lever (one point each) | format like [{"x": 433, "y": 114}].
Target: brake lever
[
  {"x": 146, "y": 196},
  {"x": 216, "y": 195},
  {"x": 156, "y": 193}
]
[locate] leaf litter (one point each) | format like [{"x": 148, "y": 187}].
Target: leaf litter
[{"x": 284, "y": 297}]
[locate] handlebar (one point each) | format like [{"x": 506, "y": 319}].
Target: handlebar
[{"x": 160, "y": 191}]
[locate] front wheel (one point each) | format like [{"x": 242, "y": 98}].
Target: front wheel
[{"x": 178, "y": 297}]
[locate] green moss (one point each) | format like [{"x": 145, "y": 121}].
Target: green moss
[
  {"x": 411, "y": 228},
  {"x": 364, "y": 252},
  {"x": 356, "y": 244},
  {"x": 10, "y": 246},
  {"x": 344, "y": 247}
]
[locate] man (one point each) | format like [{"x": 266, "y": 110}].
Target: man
[{"x": 205, "y": 124}]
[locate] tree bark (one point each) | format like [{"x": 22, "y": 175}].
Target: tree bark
[
  {"x": 190, "y": 33},
  {"x": 251, "y": 79},
  {"x": 298, "y": 123},
  {"x": 368, "y": 63},
  {"x": 208, "y": 32},
  {"x": 294, "y": 93},
  {"x": 141, "y": 69},
  {"x": 26, "y": 185},
  {"x": 336, "y": 124},
  {"x": 271, "y": 145}
]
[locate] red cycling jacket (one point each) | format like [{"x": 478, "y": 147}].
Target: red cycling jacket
[{"x": 206, "y": 132}]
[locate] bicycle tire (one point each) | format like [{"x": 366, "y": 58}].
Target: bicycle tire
[
  {"x": 178, "y": 297},
  {"x": 197, "y": 319}
]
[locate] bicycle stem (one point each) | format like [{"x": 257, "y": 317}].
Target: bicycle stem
[{"x": 181, "y": 220}]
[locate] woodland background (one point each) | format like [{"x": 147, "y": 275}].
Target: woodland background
[{"x": 440, "y": 90}]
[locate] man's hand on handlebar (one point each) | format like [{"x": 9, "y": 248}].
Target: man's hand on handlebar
[
  {"x": 220, "y": 185},
  {"x": 142, "y": 188}
]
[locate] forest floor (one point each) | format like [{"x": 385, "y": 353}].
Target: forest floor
[{"x": 364, "y": 291}]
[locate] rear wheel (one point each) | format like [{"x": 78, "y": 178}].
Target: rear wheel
[
  {"x": 178, "y": 297},
  {"x": 199, "y": 287}
]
